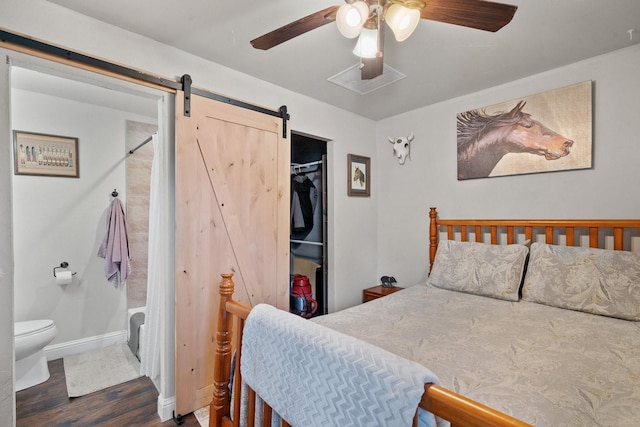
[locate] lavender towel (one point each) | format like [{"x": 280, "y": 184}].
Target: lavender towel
[{"x": 115, "y": 246}]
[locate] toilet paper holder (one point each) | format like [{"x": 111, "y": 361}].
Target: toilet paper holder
[{"x": 63, "y": 264}]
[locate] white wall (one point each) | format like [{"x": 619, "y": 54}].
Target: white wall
[
  {"x": 607, "y": 190},
  {"x": 63, "y": 219}
]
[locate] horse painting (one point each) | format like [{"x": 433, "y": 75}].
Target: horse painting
[
  {"x": 484, "y": 139},
  {"x": 358, "y": 176}
]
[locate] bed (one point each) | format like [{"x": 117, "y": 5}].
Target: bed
[{"x": 523, "y": 322}]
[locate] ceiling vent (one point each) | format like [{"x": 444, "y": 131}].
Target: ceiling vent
[{"x": 350, "y": 79}]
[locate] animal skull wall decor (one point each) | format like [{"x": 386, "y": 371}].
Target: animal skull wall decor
[{"x": 401, "y": 147}]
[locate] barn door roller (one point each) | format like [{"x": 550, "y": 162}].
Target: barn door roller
[{"x": 186, "y": 88}]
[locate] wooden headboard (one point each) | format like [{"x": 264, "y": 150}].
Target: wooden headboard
[{"x": 600, "y": 233}]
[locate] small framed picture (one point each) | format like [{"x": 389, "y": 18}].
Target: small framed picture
[
  {"x": 358, "y": 176},
  {"x": 46, "y": 155}
]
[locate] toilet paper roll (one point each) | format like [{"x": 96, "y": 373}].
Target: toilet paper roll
[{"x": 63, "y": 277}]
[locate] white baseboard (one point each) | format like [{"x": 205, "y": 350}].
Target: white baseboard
[
  {"x": 166, "y": 407},
  {"x": 58, "y": 351}
]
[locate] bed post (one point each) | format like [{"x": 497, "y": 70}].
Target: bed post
[
  {"x": 433, "y": 235},
  {"x": 219, "y": 406}
]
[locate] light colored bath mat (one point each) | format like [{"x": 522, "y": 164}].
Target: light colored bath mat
[
  {"x": 202, "y": 415},
  {"x": 98, "y": 369}
]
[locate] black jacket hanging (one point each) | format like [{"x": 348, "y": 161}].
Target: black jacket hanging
[{"x": 304, "y": 197}]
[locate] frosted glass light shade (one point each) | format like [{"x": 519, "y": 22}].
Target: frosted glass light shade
[
  {"x": 351, "y": 17},
  {"x": 402, "y": 21},
  {"x": 367, "y": 46}
]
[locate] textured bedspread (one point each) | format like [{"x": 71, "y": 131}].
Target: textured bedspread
[
  {"x": 315, "y": 376},
  {"x": 544, "y": 365}
]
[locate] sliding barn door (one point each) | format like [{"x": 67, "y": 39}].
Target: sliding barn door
[{"x": 232, "y": 216}]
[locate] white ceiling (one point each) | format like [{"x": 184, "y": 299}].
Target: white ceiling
[{"x": 441, "y": 61}]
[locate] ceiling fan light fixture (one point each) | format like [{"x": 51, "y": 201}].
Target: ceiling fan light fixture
[
  {"x": 351, "y": 17},
  {"x": 402, "y": 20},
  {"x": 367, "y": 45}
]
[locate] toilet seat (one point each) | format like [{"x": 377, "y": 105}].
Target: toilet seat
[{"x": 32, "y": 327}]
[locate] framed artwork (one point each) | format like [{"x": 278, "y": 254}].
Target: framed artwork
[
  {"x": 45, "y": 155},
  {"x": 358, "y": 176},
  {"x": 548, "y": 131}
]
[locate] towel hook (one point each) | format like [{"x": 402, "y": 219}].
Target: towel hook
[{"x": 114, "y": 193}]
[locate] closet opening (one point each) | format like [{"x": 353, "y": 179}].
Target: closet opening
[{"x": 309, "y": 220}]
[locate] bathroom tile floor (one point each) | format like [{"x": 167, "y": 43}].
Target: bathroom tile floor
[{"x": 133, "y": 403}]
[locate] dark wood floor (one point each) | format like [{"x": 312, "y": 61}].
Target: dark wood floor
[{"x": 130, "y": 404}]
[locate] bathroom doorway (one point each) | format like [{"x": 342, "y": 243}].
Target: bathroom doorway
[{"x": 58, "y": 219}]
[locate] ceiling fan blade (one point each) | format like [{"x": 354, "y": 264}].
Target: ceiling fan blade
[
  {"x": 295, "y": 28},
  {"x": 479, "y": 14}
]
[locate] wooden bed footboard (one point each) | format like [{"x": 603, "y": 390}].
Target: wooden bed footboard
[{"x": 457, "y": 409}]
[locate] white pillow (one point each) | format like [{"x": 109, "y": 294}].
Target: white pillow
[
  {"x": 479, "y": 268},
  {"x": 597, "y": 281}
]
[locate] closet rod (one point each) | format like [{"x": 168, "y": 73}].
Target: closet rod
[
  {"x": 140, "y": 146},
  {"x": 304, "y": 165},
  {"x": 307, "y": 242}
]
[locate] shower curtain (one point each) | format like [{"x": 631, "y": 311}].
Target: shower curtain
[{"x": 157, "y": 275}]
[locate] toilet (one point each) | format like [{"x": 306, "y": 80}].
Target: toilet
[{"x": 30, "y": 338}]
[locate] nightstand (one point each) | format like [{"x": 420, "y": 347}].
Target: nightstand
[{"x": 378, "y": 292}]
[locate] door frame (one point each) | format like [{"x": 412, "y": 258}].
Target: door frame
[{"x": 166, "y": 121}]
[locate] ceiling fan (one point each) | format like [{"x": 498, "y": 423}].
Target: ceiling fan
[{"x": 365, "y": 18}]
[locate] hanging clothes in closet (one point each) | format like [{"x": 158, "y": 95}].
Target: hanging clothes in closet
[{"x": 304, "y": 198}]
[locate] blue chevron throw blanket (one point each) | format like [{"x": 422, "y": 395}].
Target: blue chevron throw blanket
[{"x": 314, "y": 376}]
